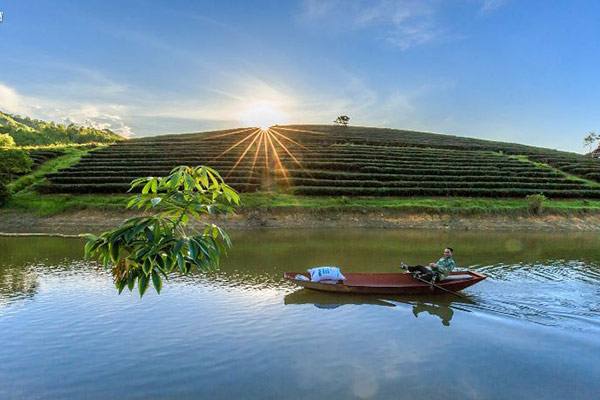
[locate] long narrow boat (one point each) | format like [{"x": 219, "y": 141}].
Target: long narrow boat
[{"x": 387, "y": 283}]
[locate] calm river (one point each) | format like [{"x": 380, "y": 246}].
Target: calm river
[{"x": 529, "y": 331}]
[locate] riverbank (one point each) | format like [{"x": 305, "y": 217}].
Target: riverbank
[{"x": 97, "y": 220}]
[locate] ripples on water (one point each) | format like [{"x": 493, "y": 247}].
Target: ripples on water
[{"x": 557, "y": 293}]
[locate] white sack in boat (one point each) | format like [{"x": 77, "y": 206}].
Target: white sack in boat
[{"x": 325, "y": 273}]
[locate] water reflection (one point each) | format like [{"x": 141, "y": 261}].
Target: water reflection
[
  {"x": 17, "y": 283},
  {"x": 26, "y": 261},
  {"x": 444, "y": 312},
  {"x": 549, "y": 279},
  {"x": 245, "y": 332},
  {"x": 441, "y": 306},
  {"x": 333, "y": 300}
]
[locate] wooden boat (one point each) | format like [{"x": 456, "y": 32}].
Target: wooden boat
[{"x": 387, "y": 283}]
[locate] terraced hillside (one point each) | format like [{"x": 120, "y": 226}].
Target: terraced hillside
[
  {"x": 352, "y": 161},
  {"x": 40, "y": 156}
]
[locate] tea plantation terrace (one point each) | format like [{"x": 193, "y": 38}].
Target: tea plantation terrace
[{"x": 352, "y": 161}]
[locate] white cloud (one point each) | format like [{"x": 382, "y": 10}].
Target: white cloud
[
  {"x": 404, "y": 23},
  {"x": 10, "y": 100},
  {"x": 97, "y": 115},
  {"x": 148, "y": 112},
  {"x": 488, "y": 6},
  {"x": 131, "y": 111}
]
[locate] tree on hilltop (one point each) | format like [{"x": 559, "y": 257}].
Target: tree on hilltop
[
  {"x": 590, "y": 140},
  {"x": 342, "y": 120}
]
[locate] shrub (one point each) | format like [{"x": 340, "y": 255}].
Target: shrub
[
  {"x": 6, "y": 140},
  {"x": 535, "y": 203},
  {"x": 13, "y": 162}
]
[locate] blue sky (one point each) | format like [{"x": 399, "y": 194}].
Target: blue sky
[{"x": 510, "y": 70}]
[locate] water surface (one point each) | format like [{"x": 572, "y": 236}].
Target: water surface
[{"x": 531, "y": 330}]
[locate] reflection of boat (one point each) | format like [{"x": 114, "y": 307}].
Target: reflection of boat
[
  {"x": 330, "y": 300},
  {"x": 388, "y": 283},
  {"x": 442, "y": 305}
]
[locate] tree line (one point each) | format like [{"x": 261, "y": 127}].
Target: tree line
[{"x": 24, "y": 131}]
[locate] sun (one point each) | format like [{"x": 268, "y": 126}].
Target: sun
[{"x": 262, "y": 115}]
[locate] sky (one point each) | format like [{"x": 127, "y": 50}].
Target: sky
[{"x": 525, "y": 71}]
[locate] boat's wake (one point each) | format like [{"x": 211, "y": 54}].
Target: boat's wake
[{"x": 557, "y": 293}]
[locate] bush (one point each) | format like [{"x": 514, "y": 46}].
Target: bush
[
  {"x": 13, "y": 162},
  {"x": 6, "y": 140},
  {"x": 535, "y": 203},
  {"x": 4, "y": 194}
]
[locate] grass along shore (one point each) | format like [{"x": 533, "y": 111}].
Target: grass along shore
[{"x": 29, "y": 201}]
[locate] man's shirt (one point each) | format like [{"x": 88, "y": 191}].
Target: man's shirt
[{"x": 444, "y": 267}]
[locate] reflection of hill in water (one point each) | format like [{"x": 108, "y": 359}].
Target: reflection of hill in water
[
  {"x": 437, "y": 305},
  {"x": 24, "y": 261},
  {"x": 372, "y": 250},
  {"x": 17, "y": 283},
  {"x": 550, "y": 279}
]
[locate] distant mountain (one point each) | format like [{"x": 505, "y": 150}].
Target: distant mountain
[{"x": 26, "y": 131}]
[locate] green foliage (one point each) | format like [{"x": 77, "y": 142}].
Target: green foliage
[
  {"x": 146, "y": 249},
  {"x": 591, "y": 139},
  {"x": 432, "y": 191},
  {"x": 45, "y": 162},
  {"x": 26, "y": 131},
  {"x": 342, "y": 120},
  {"x": 6, "y": 140},
  {"x": 12, "y": 163},
  {"x": 535, "y": 203}
]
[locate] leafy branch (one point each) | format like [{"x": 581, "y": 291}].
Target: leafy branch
[{"x": 148, "y": 248}]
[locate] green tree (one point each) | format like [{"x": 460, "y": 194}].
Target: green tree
[
  {"x": 342, "y": 120},
  {"x": 26, "y": 131},
  {"x": 590, "y": 140},
  {"x": 6, "y": 140},
  {"x": 13, "y": 162},
  {"x": 146, "y": 249}
]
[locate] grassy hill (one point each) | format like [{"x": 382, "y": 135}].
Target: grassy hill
[
  {"x": 318, "y": 160},
  {"x": 30, "y": 132}
]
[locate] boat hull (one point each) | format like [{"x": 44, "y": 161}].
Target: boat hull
[{"x": 388, "y": 283}]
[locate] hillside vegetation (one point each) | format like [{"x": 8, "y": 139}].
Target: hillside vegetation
[
  {"x": 350, "y": 161},
  {"x": 31, "y": 132}
]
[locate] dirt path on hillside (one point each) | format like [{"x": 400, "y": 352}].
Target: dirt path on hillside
[{"x": 95, "y": 221}]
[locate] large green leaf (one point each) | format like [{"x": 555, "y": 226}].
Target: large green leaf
[
  {"x": 147, "y": 266},
  {"x": 181, "y": 263},
  {"x": 143, "y": 281},
  {"x": 156, "y": 281},
  {"x": 131, "y": 280},
  {"x": 121, "y": 285}
]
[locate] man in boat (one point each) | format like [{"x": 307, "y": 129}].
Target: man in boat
[{"x": 436, "y": 271}]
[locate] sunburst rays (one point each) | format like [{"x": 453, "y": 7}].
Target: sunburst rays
[
  {"x": 270, "y": 144},
  {"x": 301, "y": 130}
]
